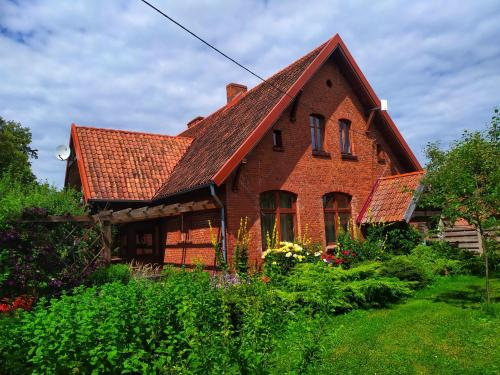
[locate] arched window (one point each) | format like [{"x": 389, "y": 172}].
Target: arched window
[
  {"x": 278, "y": 207},
  {"x": 317, "y": 124},
  {"x": 337, "y": 210}
]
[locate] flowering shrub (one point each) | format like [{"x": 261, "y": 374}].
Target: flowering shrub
[
  {"x": 282, "y": 259},
  {"x": 340, "y": 257},
  {"x": 37, "y": 260},
  {"x": 21, "y": 302},
  {"x": 225, "y": 280}
]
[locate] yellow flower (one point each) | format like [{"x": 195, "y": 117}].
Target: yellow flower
[{"x": 288, "y": 255}]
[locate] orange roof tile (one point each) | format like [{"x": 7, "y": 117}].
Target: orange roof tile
[
  {"x": 391, "y": 199},
  {"x": 123, "y": 165}
]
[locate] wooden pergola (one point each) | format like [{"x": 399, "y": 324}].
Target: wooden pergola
[{"x": 109, "y": 217}]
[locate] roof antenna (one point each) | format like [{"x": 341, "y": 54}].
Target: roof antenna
[{"x": 62, "y": 152}]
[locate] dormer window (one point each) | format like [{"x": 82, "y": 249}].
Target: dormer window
[
  {"x": 345, "y": 137},
  {"x": 317, "y": 124}
]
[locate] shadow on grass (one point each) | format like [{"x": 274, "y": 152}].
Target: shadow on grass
[{"x": 470, "y": 298}]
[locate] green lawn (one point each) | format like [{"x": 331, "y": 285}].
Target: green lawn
[{"x": 442, "y": 330}]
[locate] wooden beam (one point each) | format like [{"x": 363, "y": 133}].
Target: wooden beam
[
  {"x": 130, "y": 215},
  {"x": 150, "y": 213},
  {"x": 106, "y": 241},
  {"x": 59, "y": 219},
  {"x": 370, "y": 119}
]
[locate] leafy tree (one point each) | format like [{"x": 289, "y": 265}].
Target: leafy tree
[
  {"x": 15, "y": 151},
  {"x": 464, "y": 181}
]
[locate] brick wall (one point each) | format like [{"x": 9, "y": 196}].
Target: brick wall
[
  {"x": 310, "y": 177},
  {"x": 187, "y": 239}
]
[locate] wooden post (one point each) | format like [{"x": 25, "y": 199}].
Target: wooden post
[
  {"x": 370, "y": 119},
  {"x": 106, "y": 241}
]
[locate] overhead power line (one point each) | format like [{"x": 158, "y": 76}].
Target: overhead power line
[
  {"x": 206, "y": 43},
  {"x": 227, "y": 56}
]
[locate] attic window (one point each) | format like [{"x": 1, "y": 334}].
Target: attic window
[
  {"x": 345, "y": 137},
  {"x": 277, "y": 140},
  {"x": 317, "y": 132}
]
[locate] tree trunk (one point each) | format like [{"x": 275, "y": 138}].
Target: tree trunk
[{"x": 486, "y": 267}]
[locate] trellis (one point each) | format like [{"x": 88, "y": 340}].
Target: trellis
[{"x": 107, "y": 218}]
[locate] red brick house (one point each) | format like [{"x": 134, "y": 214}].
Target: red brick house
[{"x": 306, "y": 148}]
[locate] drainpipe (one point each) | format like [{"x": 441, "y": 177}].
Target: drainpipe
[{"x": 222, "y": 220}]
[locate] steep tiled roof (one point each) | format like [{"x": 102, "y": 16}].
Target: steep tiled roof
[
  {"x": 391, "y": 199},
  {"x": 122, "y": 165},
  {"x": 218, "y": 136},
  {"x": 134, "y": 166}
]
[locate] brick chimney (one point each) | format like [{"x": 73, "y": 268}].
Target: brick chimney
[{"x": 233, "y": 90}]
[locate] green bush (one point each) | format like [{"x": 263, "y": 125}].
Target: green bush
[
  {"x": 384, "y": 240},
  {"x": 408, "y": 268},
  {"x": 16, "y": 196},
  {"x": 433, "y": 260},
  {"x": 41, "y": 258},
  {"x": 181, "y": 324},
  {"x": 109, "y": 274},
  {"x": 321, "y": 288},
  {"x": 470, "y": 262}
]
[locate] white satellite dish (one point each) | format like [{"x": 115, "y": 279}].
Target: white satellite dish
[
  {"x": 383, "y": 104},
  {"x": 63, "y": 152}
]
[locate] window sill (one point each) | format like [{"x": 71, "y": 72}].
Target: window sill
[
  {"x": 349, "y": 157},
  {"x": 322, "y": 154},
  {"x": 278, "y": 149}
]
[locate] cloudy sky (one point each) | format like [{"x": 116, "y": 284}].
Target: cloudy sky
[{"x": 118, "y": 64}]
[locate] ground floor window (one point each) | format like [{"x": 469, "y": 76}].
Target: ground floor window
[
  {"x": 277, "y": 208},
  {"x": 337, "y": 212}
]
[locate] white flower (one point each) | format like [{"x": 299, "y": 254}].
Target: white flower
[
  {"x": 288, "y": 255},
  {"x": 317, "y": 254},
  {"x": 295, "y": 255}
]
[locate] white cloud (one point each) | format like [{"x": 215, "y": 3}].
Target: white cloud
[{"x": 118, "y": 64}]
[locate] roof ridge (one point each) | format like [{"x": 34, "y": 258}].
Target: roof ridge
[
  {"x": 130, "y": 132},
  {"x": 240, "y": 97},
  {"x": 401, "y": 175}
]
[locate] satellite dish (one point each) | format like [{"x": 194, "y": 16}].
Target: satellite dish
[
  {"x": 63, "y": 152},
  {"x": 383, "y": 104}
]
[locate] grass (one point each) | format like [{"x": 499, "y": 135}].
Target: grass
[{"x": 444, "y": 329}]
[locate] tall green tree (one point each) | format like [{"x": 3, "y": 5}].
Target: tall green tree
[
  {"x": 15, "y": 151},
  {"x": 464, "y": 181}
]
